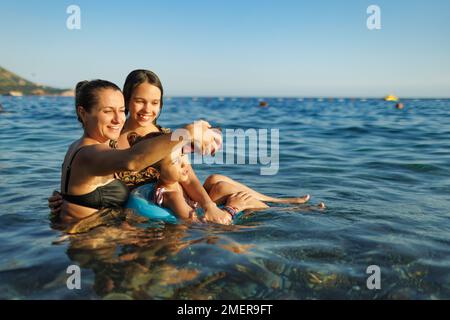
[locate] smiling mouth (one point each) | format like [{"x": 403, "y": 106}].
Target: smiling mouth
[{"x": 145, "y": 117}]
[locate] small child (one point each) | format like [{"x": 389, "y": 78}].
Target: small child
[
  {"x": 169, "y": 193},
  {"x": 223, "y": 191}
]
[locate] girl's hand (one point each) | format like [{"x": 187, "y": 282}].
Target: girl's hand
[
  {"x": 193, "y": 217},
  {"x": 240, "y": 201},
  {"x": 216, "y": 215},
  {"x": 55, "y": 202}
]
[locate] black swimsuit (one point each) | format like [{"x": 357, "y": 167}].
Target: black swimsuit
[{"x": 112, "y": 195}]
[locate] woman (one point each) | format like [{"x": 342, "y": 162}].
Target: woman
[{"x": 87, "y": 180}]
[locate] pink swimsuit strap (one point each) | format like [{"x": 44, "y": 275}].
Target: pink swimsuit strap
[{"x": 158, "y": 198}]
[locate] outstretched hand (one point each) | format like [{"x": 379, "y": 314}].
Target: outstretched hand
[{"x": 204, "y": 139}]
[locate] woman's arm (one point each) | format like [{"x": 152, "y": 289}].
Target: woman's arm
[{"x": 100, "y": 160}]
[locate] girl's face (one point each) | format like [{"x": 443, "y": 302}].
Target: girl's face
[
  {"x": 175, "y": 168},
  {"x": 145, "y": 104},
  {"x": 106, "y": 119}
]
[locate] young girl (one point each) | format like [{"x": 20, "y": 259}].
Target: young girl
[{"x": 169, "y": 193}]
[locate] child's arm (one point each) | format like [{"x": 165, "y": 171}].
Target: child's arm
[
  {"x": 174, "y": 200},
  {"x": 194, "y": 189},
  {"x": 197, "y": 192}
]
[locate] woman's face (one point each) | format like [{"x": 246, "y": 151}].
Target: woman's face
[
  {"x": 145, "y": 104},
  {"x": 106, "y": 119}
]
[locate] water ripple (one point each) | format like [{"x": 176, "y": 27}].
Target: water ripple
[{"x": 383, "y": 173}]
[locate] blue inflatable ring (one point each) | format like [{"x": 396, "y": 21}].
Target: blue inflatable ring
[{"x": 140, "y": 203}]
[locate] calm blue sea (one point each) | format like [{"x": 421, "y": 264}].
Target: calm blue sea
[{"x": 383, "y": 173}]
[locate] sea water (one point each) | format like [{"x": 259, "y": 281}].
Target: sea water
[{"x": 383, "y": 173}]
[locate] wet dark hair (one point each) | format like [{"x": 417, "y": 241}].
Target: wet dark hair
[
  {"x": 86, "y": 93},
  {"x": 137, "y": 77}
]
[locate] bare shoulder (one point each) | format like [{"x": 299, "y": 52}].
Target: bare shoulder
[
  {"x": 70, "y": 151},
  {"x": 173, "y": 195},
  {"x": 134, "y": 137},
  {"x": 88, "y": 152}
]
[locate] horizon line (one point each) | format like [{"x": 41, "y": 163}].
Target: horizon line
[{"x": 317, "y": 97}]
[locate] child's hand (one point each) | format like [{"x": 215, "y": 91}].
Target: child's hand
[
  {"x": 240, "y": 201},
  {"x": 216, "y": 215},
  {"x": 193, "y": 217}
]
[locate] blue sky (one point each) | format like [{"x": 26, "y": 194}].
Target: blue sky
[{"x": 236, "y": 48}]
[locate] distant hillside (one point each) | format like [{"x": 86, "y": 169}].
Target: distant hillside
[{"x": 12, "y": 84}]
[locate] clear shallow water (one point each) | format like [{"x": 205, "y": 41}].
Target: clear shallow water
[{"x": 383, "y": 173}]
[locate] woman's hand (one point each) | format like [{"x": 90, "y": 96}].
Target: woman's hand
[
  {"x": 55, "y": 202},
  {"x": 204, "y": 138}
]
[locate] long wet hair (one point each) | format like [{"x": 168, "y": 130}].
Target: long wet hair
[
  {"x": 86, "y": 93},
  {"x": 137, "y": 77}
]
